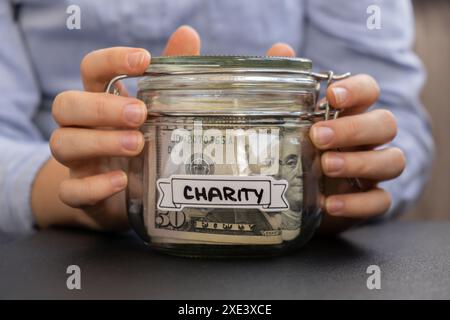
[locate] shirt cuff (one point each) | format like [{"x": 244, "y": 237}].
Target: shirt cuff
[{"x": 18, "y": 218}]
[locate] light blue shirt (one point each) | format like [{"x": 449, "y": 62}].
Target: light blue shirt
[{"x": 40, "y": 57}]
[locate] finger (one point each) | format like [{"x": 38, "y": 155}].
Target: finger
[
  {"x": 367, "y": 204},
  {"x": 100, "y": 66},
  {"x": 372, "y": 128},
  {"x": 354, "y": 94},
  {"x": 378, "y": 165},
  {"x": 281, "y": 50},
  {"x": 185, "y": 41},
  {"x": 91, "y": 190},
  {"x": 76, "y": 144},
  {"x": 87, "y": 109}
]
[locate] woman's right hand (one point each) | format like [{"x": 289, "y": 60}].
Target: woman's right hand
[
  {"x": 83, "y": 183},
  {"x": 99, "y": 131},
  {"x": 84, "y": 145}
]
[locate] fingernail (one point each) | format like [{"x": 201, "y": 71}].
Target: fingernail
[
  {"x": 334, "y": 163},
  {"x": 130, "y": 141},
  {"x": 334, "y": 206},
  {"x": 118, "y": 180},
  {"x": 340, "y": 94},
  {"x": 322, "y": 135},
  {"x": 135, "y": 59},
  {"x": 134, "y": 113}
]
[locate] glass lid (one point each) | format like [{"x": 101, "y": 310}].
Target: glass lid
[{"x": 182, "y": 64}]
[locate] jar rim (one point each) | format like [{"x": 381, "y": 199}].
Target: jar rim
[
  {"x": 174, "y": 64},
  {"x": 219, "y": 80}
]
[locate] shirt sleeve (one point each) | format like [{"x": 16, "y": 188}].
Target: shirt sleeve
[
  {"x": 337, "y": 37},
  {"x": 22, "y": 148}
]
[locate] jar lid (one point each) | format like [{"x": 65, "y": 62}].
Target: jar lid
[
  {"x": 252, "y": 78},
  {"x": 174, "y": 64}
]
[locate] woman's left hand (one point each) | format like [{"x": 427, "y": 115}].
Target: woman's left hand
[{"x": 357, "y": 133}]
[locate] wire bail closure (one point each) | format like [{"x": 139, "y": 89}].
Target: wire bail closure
[
  {"x": 324, "y": 110},
  {"x": 354, "y": 182}
]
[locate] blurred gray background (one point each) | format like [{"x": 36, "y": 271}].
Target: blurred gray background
[{"x": 433, "y": 47}]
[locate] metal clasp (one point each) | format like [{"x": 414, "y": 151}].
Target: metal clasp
[
  {"x": 327, "y": 113},
  {"x": 111, "y": 86},
  {"x": 325, "y": 109}
]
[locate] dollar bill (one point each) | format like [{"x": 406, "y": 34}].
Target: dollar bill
[{"x": 215, "y": 150}]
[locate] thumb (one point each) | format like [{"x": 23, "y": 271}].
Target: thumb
[
  {"x": 185, "y": 41},
  {"x": 281, "y": 50}
]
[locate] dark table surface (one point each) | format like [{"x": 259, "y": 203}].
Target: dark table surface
[{"x": 414, "y": 259}]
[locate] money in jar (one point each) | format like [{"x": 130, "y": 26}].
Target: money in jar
[{"x": 228, "y": 168}]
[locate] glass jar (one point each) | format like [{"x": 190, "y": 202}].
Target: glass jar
[{"x": 228, "y": 168}]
